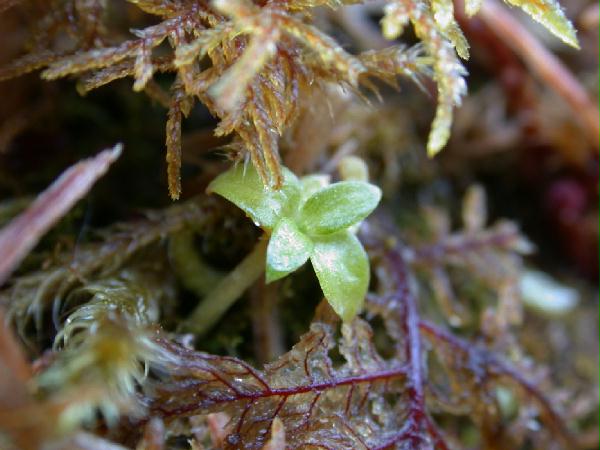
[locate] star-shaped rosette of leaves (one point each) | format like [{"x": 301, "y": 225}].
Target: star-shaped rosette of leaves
[{"x": 309, "y": 219}]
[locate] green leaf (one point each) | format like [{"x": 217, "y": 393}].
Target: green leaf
[
  {"x": 342, "y": 267},
  {"x": 550, "y": 14},
  {"x": 288, "y": 249},
  {"x": 242, "y": 185},
  {"x": 338, "y": 206}
]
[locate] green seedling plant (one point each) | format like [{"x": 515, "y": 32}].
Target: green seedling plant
[{"x": 306, "y": 219}]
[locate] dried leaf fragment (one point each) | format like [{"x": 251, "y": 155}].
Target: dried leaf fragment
[{"x": 319, "y": 404}]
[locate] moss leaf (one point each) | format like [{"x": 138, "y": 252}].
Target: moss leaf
[{"x": 550, "y": 14}]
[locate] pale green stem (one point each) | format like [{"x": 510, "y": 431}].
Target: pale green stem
[
  {"x": 227, "y": 291},
  {"x": 189, "y": 267}
]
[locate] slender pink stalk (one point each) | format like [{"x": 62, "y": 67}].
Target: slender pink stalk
[{"x": 23, "y": 232}]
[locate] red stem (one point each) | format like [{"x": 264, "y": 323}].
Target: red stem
[
  {"x": 266, "y": 392},
  {"x": 404, "y": 301}
]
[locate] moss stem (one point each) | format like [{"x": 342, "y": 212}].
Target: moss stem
[{"x": 227, "y": 291}]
